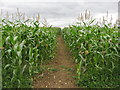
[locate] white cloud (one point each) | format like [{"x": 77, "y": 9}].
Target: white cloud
[
  {"x": 60, "y": 13},
  {"x": 11, "y": 1},
  {"x": 62, "y": 22}
]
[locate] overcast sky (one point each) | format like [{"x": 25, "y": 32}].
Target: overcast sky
[{"x": 61, "y": 12}]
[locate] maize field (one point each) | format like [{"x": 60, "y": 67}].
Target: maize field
[
  {"x": 96, "y": 51},
  {"x": 25, "y": 47}
]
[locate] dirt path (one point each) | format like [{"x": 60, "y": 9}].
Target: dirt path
[{"x": 60, "y": 71}]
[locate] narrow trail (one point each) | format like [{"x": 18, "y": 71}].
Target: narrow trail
[{"x": 60, "y": 70}]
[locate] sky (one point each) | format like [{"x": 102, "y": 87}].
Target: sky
[{"x": 61, "y": 12}]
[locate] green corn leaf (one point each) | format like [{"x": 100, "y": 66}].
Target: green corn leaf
[
  {"x": 6, "y": 66},
  {"x": 24, "y": 67}
]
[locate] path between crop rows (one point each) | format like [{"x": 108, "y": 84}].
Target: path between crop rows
[{"x": 60, "y": 70}]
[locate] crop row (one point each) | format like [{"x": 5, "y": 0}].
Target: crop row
[
  {"x": 96, "y": 52},
  {"x": 25, "y": 49}
]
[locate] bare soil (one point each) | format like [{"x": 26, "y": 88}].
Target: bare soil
[{"x": 60, "y": 71}]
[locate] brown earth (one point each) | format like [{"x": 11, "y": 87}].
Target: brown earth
[{"x": 60, "y": 71}]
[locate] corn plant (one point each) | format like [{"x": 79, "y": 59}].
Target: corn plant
[
  {"x": 26, "y": 47},
  {"x": 96, "y": 52}
]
